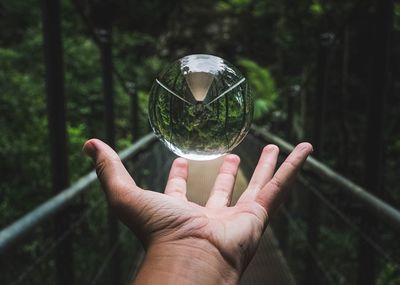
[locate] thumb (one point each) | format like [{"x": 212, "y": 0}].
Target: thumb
[{"x": 113, "y": 176}]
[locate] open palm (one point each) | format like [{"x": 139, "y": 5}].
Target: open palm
[{"x": 169, "y": 218}]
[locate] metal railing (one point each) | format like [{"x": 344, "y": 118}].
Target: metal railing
[
  {"x": 13, "y": 234},
  {"x": 17, "y": 230},
  {"x": 48, "y": 209},
  {"x": 380, "y": 209},
  {"x": 339, "y": 226}
]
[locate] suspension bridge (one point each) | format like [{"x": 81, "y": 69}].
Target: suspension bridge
[
  {"x": 270, "y": 266},
  {"x": 295, "y": 249}
]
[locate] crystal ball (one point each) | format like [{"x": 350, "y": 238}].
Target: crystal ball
[{"x": 200, "y": 107}]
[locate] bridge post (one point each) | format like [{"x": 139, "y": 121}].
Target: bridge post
[
  {"x": 103, "y": 22},
  {"x": 380, "y": 80},
  {"x": 57, "y": 133},
  {"x": 134, "y": 110},
  {"x": 281, "y": 225},
  {"x": 325, "y": 40}
]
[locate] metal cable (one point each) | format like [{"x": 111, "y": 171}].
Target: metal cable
[
  {"x": 54, "y": 244},
  {"x": 308, "y": 185},
  {"x": 377, "y": 207},
  {"x": 135, "y": 267},
  {"x": 109, "y": 255},
  {"x": 311, "y": 250},
  {"x": 51, "y": 245},
  {"x": 98, "y": 41},
  {"x": 132, "y": 269}
]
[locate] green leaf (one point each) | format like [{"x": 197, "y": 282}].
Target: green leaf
[
  {"x": 262, "y": 85},
  {"x": 316, "y": 9}
]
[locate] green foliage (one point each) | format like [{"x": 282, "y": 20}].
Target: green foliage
[
  {"x": 316, "y": 8},
  {"x": 279, "y": 34},
  {"x": 77, "y": 135},
  {"x": 389, "y": 275},
  {"x": 145, "y": 72},
  {"x": 209, "y": 129},
  {"x": 143, "y": 98},
  {"x": 83, "y": 84},
  {"x": 396, "y": 22},
  {"x": 236, "y": 6},
  {"x": 263, "y": 87},
  {"x": 338, "y": 243},
  {"x": 23, "y": 128}
]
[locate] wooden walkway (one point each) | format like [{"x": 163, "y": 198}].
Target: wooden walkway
[{"x": 268, "y": 265}]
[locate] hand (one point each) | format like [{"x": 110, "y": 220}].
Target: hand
[{"x": 217, "y": 241}]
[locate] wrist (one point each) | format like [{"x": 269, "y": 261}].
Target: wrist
[{"x": 186, "y": 262}]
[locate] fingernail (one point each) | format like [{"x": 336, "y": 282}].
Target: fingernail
[
  {"x": 181, "y": 162},
  {"x": 232, "y": 158},
  {"x": 271, "y": 147},
  {"x": 90, "y": 148},
  {"x": 306, "y": 146}
]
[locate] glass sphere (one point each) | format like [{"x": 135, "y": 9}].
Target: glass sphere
[{"x": 200, "y": 107}]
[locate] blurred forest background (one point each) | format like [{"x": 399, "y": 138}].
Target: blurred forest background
[{"x": 309, "y": 62}]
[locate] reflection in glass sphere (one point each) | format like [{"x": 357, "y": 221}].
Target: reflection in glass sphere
[{"x": 200, "y": 107}]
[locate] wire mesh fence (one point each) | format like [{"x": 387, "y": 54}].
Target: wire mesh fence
[
  {"x": 341, "y": 227},
  {"x": 32, "y": 261}
]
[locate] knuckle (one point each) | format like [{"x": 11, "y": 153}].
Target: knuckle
[
  {"x": 100, "y": 167},
  {"x": 275, "y": 183},
  {"x": 268, "y": 164},
  {"x": 221, "y": 192},
  {"x": 290, "y": 164},
  {"x": 255, "y": 186},
  {"x": 228, "y": 169},
  {"x": 103, "y": 164}
]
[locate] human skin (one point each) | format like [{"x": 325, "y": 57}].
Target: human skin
[{"x": 187, "y": 243}]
